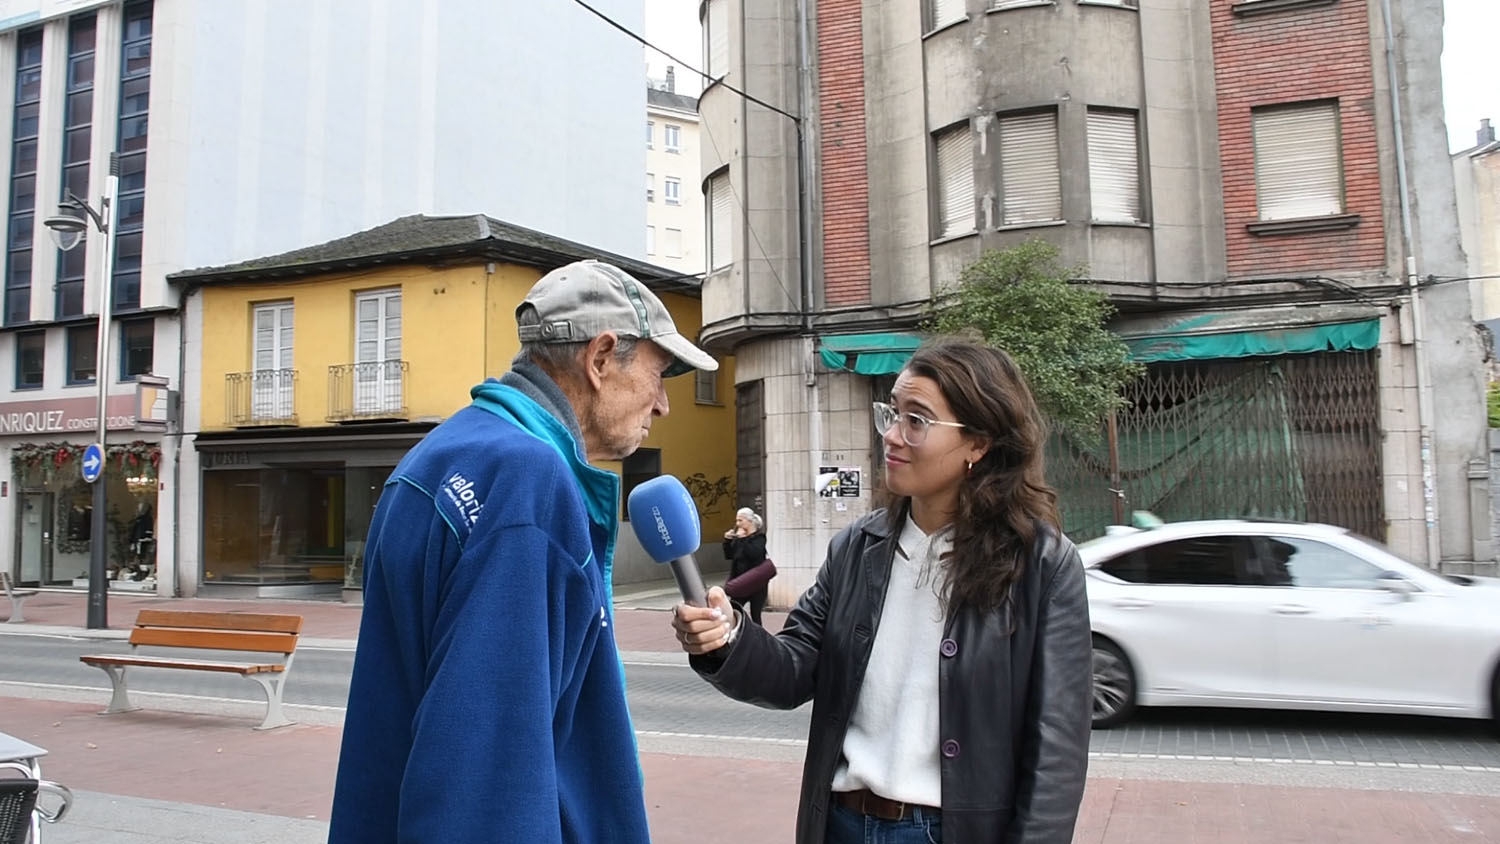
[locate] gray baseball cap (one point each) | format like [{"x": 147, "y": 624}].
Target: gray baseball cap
[{"x": 584, "y": 299}]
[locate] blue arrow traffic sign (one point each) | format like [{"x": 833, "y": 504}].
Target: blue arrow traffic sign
[{"x": 93, "y": 462}]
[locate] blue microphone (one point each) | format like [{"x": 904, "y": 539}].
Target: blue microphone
[{"x": 665, "y": 520}]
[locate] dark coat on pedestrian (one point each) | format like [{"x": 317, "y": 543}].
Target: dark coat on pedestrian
[{"x": 1015, "y": 687}]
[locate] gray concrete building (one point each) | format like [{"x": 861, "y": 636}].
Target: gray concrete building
[{"x": 1261, "y": 186}]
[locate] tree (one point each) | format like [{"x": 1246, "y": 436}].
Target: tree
[{"x": 1020, "y": 300}]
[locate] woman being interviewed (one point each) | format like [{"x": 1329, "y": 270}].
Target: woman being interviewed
[{"x": 945, "y": 642}]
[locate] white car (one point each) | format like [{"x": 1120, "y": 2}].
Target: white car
[{"x": 1284, "y": 615}]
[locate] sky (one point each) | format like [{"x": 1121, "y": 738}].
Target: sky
[
  {"x": 673, "y": 26},
  {"x": 1471, "y": 29},
  {"x": 1470, "y": 91}
]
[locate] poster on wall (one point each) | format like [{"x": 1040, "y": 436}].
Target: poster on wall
[
  {"x": 849, "y": 482},
  {"x": 838, "y": 481},
  {"x": 827, "y": 482}
]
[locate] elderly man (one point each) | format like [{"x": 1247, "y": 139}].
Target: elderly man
[{"x": 488, "y": 702}]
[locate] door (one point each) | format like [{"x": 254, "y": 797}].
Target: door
[
  {"x": 1185, "y": 614},
  {"x": 1341, "y": 637},
  {"x": 377, "y": 353},
  {"x": 273, "y": 381},
  {"x": 35, "y": 539}
]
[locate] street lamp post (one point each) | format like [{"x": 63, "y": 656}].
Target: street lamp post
[{"x": 68, "y": 227}]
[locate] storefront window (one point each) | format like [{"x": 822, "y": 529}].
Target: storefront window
[
  {"x": 56, "y": 509},
  {"x": 290, "y": 525}
]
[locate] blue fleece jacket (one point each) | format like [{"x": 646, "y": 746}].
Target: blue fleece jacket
[{"x": 488, "y": 700}]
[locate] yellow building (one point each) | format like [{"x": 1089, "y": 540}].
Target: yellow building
[{"x": 308, "y": 375}]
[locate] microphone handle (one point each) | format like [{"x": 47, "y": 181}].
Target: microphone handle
[{"x": 689, "y": 581}]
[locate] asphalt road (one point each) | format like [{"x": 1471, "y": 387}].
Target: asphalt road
[{"x": 674, "y": 710}]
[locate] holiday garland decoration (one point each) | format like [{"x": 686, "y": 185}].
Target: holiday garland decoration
[{"x": 44, "y": 462}]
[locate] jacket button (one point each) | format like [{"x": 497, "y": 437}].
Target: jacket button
[
  {"x": 949, "y": 648},
  {"x": 950, "y": 749}
]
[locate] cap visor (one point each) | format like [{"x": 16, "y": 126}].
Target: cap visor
[{"x": 688, "y": 357}]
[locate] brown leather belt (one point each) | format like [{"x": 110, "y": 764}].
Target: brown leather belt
[{"x": 867, "y": 802}]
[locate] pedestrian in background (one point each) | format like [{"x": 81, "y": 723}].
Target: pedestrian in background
[
  {"x": 745, "y": 548},
  {"x": 945, "y": 641},
  {"x": 488, "y": 701}
]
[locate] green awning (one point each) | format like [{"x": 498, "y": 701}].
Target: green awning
[
  {"x": 1340, "y": 337},
  {"x": 872, "y": 354}
]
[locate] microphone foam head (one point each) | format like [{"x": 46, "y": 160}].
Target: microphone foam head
[{"x": 664, "y": 518}]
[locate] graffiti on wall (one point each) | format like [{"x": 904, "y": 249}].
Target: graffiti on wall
[{"x": 709, "y": 495}]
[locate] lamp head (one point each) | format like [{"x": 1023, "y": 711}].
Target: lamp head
[{"x": 66, "y": 226}]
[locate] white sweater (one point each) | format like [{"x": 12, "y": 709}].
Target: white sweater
[{"x": 892, "y": 744}]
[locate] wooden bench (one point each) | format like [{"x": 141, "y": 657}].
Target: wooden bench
[
  {"x": 16, "y": 596},
  {"x": 262, "y": 633}
]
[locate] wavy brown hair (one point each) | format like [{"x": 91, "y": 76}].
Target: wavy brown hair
[{"x": 1005, "y": 498}]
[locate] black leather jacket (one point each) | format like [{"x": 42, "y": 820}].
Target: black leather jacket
[{"x": 1014, "y": 706}]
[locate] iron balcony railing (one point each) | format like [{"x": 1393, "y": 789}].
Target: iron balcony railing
[
  {"x": 367, "y": 391},
  {"x": 262, "y": 397}
]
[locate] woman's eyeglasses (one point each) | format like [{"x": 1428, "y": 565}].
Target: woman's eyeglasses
[{"x": 914, "y": 426}]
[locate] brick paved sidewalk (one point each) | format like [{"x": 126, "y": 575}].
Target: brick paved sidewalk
[{"x": 220, "y": 762}]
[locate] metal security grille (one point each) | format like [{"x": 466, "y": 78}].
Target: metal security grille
[{"x": 1290, "y": 437}]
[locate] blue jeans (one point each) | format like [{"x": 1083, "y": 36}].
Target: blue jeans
[{"x": 846, "y": 826}]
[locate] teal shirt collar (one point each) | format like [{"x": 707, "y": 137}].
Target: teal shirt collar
[{"x": 600, "y": 489}]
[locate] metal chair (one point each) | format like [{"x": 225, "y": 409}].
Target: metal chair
[
  {"x": 17, "y": 802},
  {"x": 22, "y": 811}
]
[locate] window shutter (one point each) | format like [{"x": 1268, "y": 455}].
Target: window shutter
[
  {"x": 720, "y": 242},
  {"x": 1297, "y": 163},
  {"x": 1029, "y": 178},
  {"x": 1114, "y": 167},
  {"x": 944, "y": 12},
  {"x": 955, "y": 182},
  {"x": 718, "y": 39}
]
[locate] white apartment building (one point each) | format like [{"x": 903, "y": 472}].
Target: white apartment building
[
  {"x": 674, "y": 199},
  {"x": 250, "y": 129}
]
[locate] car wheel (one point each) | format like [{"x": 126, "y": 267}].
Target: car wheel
[{"x": 1114, "y": 685}]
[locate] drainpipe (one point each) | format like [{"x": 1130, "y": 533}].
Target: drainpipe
[
  {"x": 1419, "y": 344},
  {"x": 804, "y": 260},
  {"x": 182, "y": 336}
]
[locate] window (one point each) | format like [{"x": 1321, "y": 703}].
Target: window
[
  {"x": 672, "y": 137},
  {"x": 1298, "y": 169},
  {"x": 1030, "y": 186},
  {"x": 635, "y": 470},
  {"x": 955, "y": 181},
  {"x": 137, "y": 341},
  {"x": 705, "y": 387},
  {"x": 135, "y": 101},
  {"x": 25, "y": 123},
  {"x": 671, "y": 243},
  {"x": 1313, "y": 565},
  {"x": 720, "y": 203},
  {"x": 671, "y": 190},
  {"x": 31, "y": 358},
  {"x": 83, "y": 353},
  {"x": 650, "y": 187},
  {"x": 78, "y": 121},
  {"x": 1011, "y": 4},
  {"x": 377, "y": 352},
  {"x": 651, "y": 240},
  {"x": 273, "y": 381},
  {"x": 650, "y": 133},
  {"x": 1128, "y": 4},
  {"x": 1201, "y": 561},
  {"x": 716, "y": 33},
  {"x": 1114, "y": 167},
  {"x": 940, "y": 13}
]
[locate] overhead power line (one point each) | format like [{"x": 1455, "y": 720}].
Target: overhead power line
[{"x": 625, "y": 29}]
